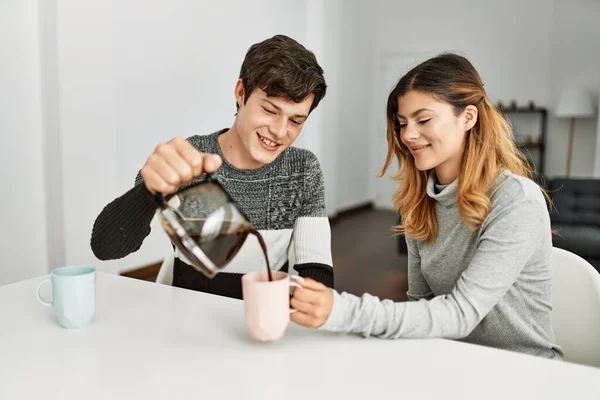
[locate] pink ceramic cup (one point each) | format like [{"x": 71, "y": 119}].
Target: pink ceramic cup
[{"x": 267, "y": 304}]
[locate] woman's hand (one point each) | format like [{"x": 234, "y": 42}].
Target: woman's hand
[{"x": 313, "y": 302}]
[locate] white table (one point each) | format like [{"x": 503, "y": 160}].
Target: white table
[{"x": 151, "y": 341}]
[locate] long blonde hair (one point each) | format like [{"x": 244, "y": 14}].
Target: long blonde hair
[{"x": 489, "y": 147}]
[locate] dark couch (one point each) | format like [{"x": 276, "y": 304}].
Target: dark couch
[{"x": 575, "y": 217}]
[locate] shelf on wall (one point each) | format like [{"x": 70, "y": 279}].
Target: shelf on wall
[
  {"x": 530, "y": 145},
  {"x": 522, "y": 110},
  {"x": 535, "y": 149}
]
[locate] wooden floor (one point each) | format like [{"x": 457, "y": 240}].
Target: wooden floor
[{"x": 365, "y": 256}]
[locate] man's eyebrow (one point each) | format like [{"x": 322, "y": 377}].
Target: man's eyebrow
[{"x": 275, "y": 106}]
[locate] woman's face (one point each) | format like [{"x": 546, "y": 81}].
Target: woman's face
[{"x": 433, "y": 133}]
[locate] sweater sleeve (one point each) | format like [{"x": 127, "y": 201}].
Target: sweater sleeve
[
  {"x": 311, "y": 235},
  {"x": 418, "y": 288},
  {"x": 505, "y": 245},
  {"x": 123, "y": 224}
]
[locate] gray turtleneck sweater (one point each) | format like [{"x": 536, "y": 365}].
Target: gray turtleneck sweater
[{"x": 490, "y": 287}]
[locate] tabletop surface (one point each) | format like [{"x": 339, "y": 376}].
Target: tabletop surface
[{"x": 151, "y": 341}]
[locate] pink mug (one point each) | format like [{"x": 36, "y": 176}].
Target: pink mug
[{"x": 267, "y": 304}]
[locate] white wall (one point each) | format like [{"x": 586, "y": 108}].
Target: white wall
[
  {"x": 136, "y": 73},
  {"x": 23, "y": 242},
  {"x": 523, "y": 50},
  {"x": 51, "y": 137},
  {"x": 354, "y": 88},
  {"x": 341, "y": 34},
  {"x": 508, "y": 42},
  {"x": 575, "y": 59},
  {"x": 319, "y": 17},
  {"x": 87, "y": 121},
  {"x": 92, "y": 88},
  {"x": 169, "y": 76},
  {"x": 117, "y": 78}
]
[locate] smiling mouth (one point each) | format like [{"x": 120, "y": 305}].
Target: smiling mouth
[
  {"x": 417, "y": 148},
  {"x": 267, "y": 142}
]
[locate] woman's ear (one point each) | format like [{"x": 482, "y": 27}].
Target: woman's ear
[
  {"x": 471, "y": 114},
  {"x": 239, "y": 92}
]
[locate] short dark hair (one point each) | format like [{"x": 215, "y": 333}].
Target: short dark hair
[{"x": 282, "y": 67}]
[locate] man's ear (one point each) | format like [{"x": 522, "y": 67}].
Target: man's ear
[
  {"x": 239, "y": 92},
  {"x": 471, "y": 114}
]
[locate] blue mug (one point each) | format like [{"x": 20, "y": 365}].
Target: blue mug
[{"x": 73, "y": 296}]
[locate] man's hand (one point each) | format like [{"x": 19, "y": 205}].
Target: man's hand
[
  {"x": 313, "y": 302},
  {"x": 174, "y": 163}
]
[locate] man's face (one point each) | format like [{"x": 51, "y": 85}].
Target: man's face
[{"x": 268, "y": 125}]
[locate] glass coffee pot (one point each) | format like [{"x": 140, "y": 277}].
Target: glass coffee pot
[{"x": 205, "y": 224}]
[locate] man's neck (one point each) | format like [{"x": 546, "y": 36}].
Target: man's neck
[{"x": 234, "y": 151}]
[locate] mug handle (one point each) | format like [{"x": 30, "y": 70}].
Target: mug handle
[
  {"x": 39, "y": 296},
  {"x": 294, "y": 284}
]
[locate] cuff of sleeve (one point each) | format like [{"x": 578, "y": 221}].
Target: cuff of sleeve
[
  {"x": 334, "y": 321},
  {"x": 319, "y": 272}
]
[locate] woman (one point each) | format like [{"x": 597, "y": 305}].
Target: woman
[{"x": 477, "y": 227}]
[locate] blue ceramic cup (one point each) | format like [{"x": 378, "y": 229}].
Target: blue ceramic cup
[{"x": 73, "y": 296}]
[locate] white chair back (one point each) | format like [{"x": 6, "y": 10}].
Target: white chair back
[
  {"x": 165, "y": 274},
  {"x": 576, "y": 307}
]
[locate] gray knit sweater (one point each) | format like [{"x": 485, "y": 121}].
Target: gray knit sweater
[
  {"x": 284, "y": 201},
  {"x": 490, "y": 287}
]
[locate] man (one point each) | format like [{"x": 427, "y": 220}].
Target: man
[{"x": 279, "y": 187}]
